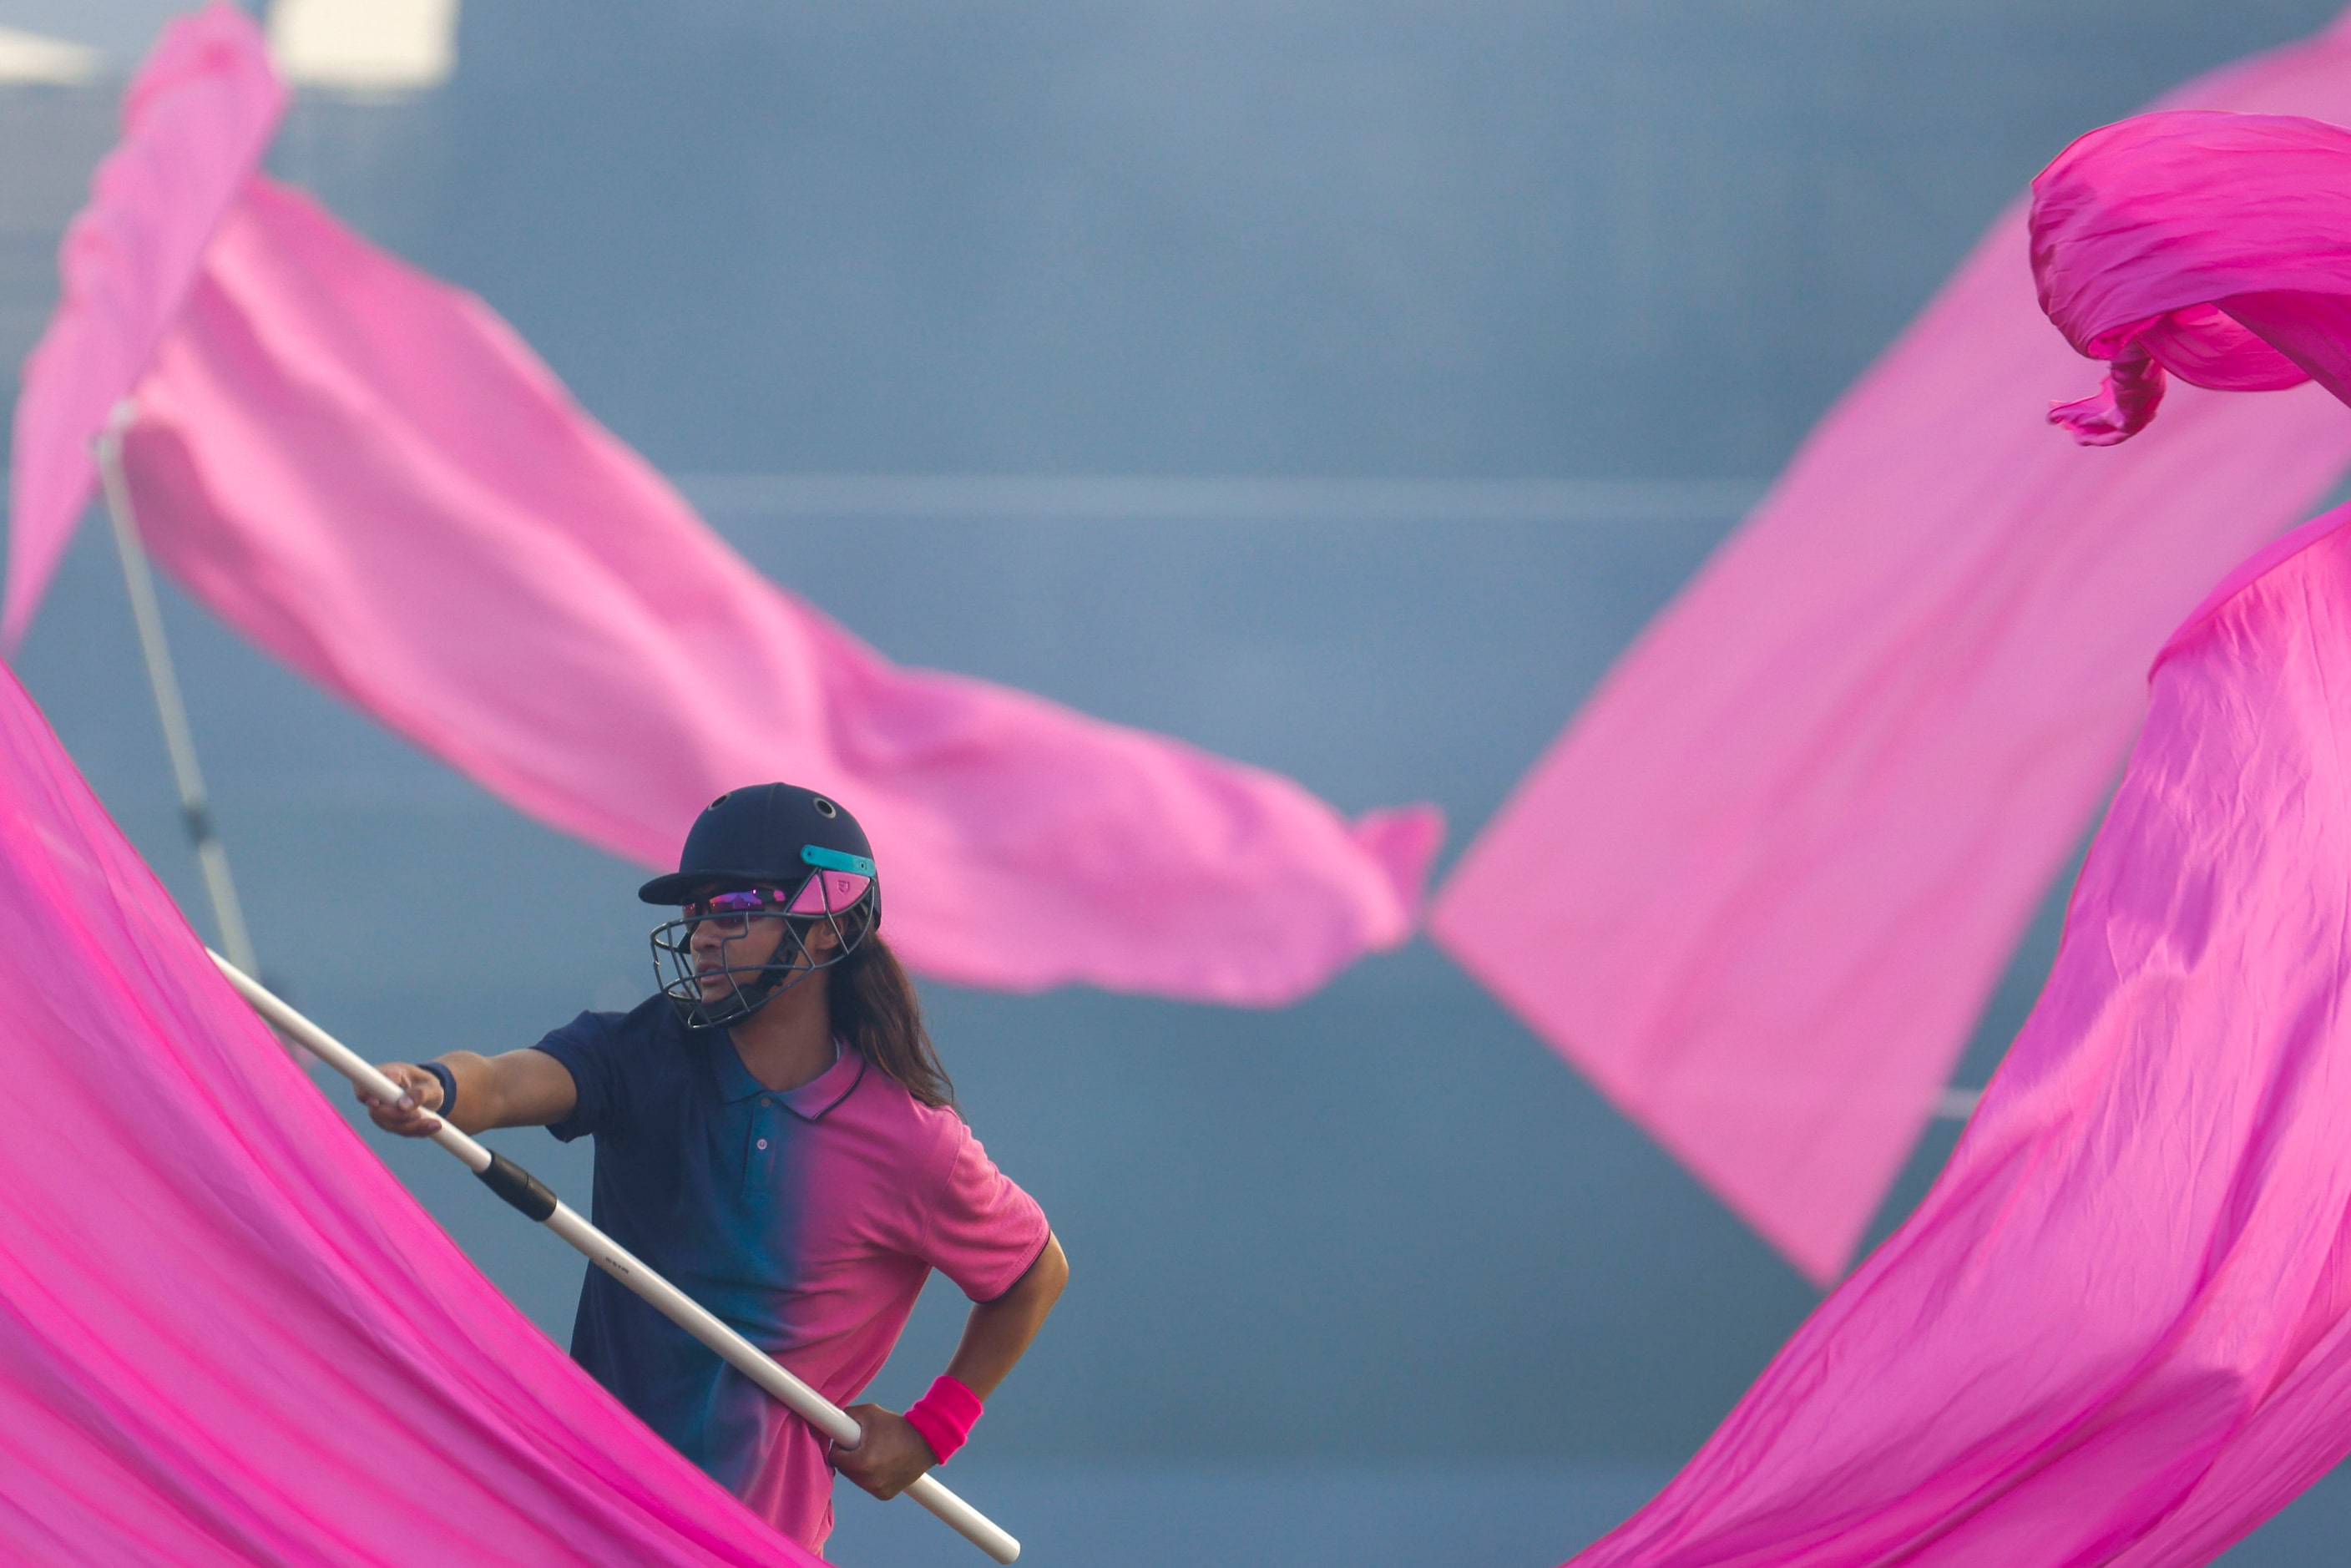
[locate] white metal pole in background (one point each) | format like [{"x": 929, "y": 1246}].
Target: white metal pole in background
[
  {"x": 531, "y": 1196},
  {"x": 196, "y": 810}
]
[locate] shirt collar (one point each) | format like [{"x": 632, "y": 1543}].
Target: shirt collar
[
  {"x": 812, "y": 1100},
  {"x": 827, "y": 1088}
]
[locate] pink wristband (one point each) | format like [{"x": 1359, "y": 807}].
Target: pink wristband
[{"x": 945, "y": 1416}]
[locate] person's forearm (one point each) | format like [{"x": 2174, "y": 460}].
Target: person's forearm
[
  {"x": 997, "y": 1334},
  {"x": 517, "y": 1089},
  {"x": 478, "y": 1097}
]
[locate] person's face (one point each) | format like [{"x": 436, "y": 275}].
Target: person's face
[
  {"x": 743, "y": 939},
  {"x": 724, "y": 940}
]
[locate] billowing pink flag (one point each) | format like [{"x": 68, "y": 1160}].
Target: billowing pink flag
[
  {"x": 193, "y": 126},
  {"x": 227, "y": 1335},
  {"x": 1762, "y": 885},
  {"x": 370, "y": 476},
  {"x": 2118, "y": 1330}
]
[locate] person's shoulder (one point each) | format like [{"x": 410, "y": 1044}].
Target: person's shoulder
[
  {"x": 656, "y": 1015},
  {"x": 617, "y": 1061},
  {"x": 596, "y": 1033},
  {"x": 882, "y": 1102}
]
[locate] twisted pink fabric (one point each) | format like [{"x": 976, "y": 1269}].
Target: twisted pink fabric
[
  {"x": 2118, "y": 1330},
  {"x": 227, "y": 1335},
  {"x": 2210, "y": 245},
  {"x": 1761, "y": 886},
  {"x": 372, "y": 476},
  {"x": 193, "y": 126}
]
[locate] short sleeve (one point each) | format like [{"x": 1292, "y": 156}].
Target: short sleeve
[
  {"x": 589, "y": 1047},
  {"x": 982, "y": 1231}
]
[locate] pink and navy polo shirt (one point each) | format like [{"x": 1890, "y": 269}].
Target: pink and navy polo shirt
[{"x": 806, "y": 1220}]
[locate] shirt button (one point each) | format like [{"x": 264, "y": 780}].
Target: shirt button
[
  {"x": 767, "y": 1099},
  {"x": 763, "y": 1142}
]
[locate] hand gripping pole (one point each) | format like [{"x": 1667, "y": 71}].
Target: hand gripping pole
[{"x": 528, "y": 1194}]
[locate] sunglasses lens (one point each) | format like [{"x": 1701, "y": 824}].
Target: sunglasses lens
[{"x": 728, "y": 907}]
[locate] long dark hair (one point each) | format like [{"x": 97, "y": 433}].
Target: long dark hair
[{"x": 871, "y": 1003}]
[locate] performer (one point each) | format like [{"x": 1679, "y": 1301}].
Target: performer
[{"x": 774, "y": 1133}]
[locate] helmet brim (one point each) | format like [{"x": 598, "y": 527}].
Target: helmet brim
[{"x": 680, "y": 886}]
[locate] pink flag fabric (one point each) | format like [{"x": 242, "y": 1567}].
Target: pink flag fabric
[
  {"x": 1761, "y": 886},
  {"x": 2207, "y": 245},
  {"x": 372, "y": 476},
  {"x": 195, "y": 122},
  {"x": 2119, "y": 1330},
  {"x": 227, "y": 1335}
]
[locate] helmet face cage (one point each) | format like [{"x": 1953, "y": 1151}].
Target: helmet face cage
[{"x": 799, "y": 910}]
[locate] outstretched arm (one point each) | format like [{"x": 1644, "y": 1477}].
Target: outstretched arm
[
  {"x": 517, "y": 1089},
  {"x": 995, "y": 1336}
]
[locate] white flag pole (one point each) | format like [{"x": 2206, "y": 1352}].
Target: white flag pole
[
  {"x": 528, "y": 1194},
  {"x": 196, "y": 810}
]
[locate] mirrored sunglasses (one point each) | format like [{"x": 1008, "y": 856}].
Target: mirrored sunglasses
[
  {"x": 748, "y": 900},
  {"x": 826, "y": 890}
]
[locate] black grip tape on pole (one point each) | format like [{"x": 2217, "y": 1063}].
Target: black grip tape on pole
[{"x": 518, "y": 1187}]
